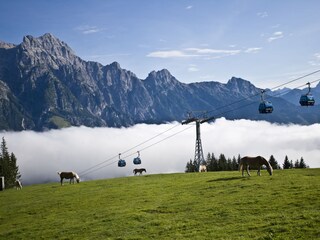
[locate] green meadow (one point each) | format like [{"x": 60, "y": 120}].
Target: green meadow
[{"x": 212, "y": 205}]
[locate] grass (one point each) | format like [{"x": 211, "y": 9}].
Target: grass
[{"x": 213, "y": 205}]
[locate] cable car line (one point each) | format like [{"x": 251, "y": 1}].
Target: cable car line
[
  {"x": 251, "y": 103},
  {"x": 85, "y": 172},
  {"x": 254, "y": 95},
  {"x": 94, "y": 168},
  {"x": 151, "y": 145},
  {"x": 296, "y": 79},
  {"x": 111, "y": 158}
]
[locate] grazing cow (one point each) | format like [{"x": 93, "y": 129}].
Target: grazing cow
[
  {"x": 68, "y": 175},
  {"x": 139, "y": 170},
  {"x": 18, "y": 185}
]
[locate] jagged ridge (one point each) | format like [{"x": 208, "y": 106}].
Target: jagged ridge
[{"x": 45, "y": 85}]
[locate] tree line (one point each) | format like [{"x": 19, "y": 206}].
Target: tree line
[
  {"x": 8, "y": 166},
  {"x": 232, "y": 164}
]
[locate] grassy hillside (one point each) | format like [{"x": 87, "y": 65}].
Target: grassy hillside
[{"x": 213, "y": 205}]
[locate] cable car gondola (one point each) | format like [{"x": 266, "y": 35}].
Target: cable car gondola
[
  {"x": 307, "y": 99},
  {"x": 121, "y": 162},
  {"x": 265, "y": 106},
  {"x": 137, "y": 160}
]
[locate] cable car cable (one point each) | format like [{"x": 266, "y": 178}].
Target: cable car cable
[
  {"x": 85, "y": 172},
  {"x": 151, "y": 145},
  {"x": 249, "y": 97}
]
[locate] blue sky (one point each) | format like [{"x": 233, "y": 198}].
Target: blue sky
[{"x": 266, "y": 42}]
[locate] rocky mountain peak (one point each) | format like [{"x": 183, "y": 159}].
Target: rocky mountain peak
[
  {"x": 241, "y": 86},
  {"x": 6, "y": 45},
  {"x": 162, "y": 74},
  {"x": 46, "y": 49},
  {"x": 115, "y": 65},
  {"x": 162, "y": 77}
]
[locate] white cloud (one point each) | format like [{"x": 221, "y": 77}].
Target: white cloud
[
  {"x": 189, "y": 7},
  {"x": 253, "y": 50},
  {"x": 41, "y": 155},
  {"x": 207, "y": 53},
  {"x": 275, "y": 36},
  {"x": 193, "y": 68},
  {"x": 262, "y": 14},
  {"x": 86, "y": 29},
  {"x": 316, "y": 60},
  {"x": 170, "y": 54}
]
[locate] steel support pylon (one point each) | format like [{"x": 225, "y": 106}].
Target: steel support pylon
[{"x": 198, "y": 155}]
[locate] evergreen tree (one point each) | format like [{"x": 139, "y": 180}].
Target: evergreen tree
[
  {"x": 14, "y": 167},
  {"x": 234, "y": 164},
  {"x": 291, "y": 164},
  {"x": 229, "y": 165},
  {"x": 302, "y": 163},
  {"x": 215, "y": 164},
  {"x": 274, "y": 164},
  {"x": 210, "y": 162},
  {"x": 191, "y": 166},
  {"x": 222, "y": 163},
  {"x": 296, "y": 164},
  {"x": 8, "y": 166},
  {"x": 286, "y": 163},
  {"x": 5, "y": 159}
]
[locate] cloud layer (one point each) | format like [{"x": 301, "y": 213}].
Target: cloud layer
[
  {"x": 164, "y": 148},
  {"x": 205, "y": 53}
]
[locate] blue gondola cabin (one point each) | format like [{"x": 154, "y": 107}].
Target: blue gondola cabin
[
  {"x": 121, "y": 163},
  {"x": 265, "y": 107},
  {"x": 307, "y": 100},
  {"x": 136, "y": 161}
]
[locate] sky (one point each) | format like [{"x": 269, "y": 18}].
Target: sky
[
  {"x": 265, "y": 42},
  {"x": 165, "y": 148}
]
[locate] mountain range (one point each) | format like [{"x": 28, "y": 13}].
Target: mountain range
[{"x": 45, "y": 85}]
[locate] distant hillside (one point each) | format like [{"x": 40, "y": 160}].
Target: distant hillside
[{"x": 44, "y": 85}]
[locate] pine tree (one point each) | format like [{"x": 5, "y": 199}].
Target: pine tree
[
  {"x": 291, "y": 164},
  {"x": 222, "y": 163},
  {"x": 274, "y": 164},
  {"x": 215, "y": 164},
  {"x": 8, "y": 166},
  {"x": 296, "y": 164},
  {"x": 212, "y": 164},
  {"x": 302, "y": 163},
  {"x": 234, "y": 164},
  {"x": 191, "y": 166},
  {"x": 14, "y": 167},
  {"x": 5, "y": 159},
  {"x": 286, "y": 163},
  {"x": 229, "y": 165}
]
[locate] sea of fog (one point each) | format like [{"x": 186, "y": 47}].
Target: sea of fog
[{"x": 166, "y": 148}]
